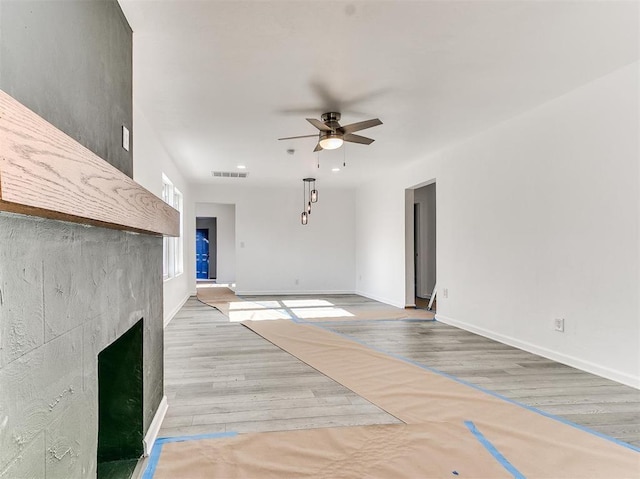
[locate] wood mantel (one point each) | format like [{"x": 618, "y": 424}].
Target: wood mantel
[{"x": 44, "y": 172}]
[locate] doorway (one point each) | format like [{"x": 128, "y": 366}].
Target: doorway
[
  {"x": 202, "y": 253},
  {"x": 424, "y": 240},
  {"x": 206, "y": 247}
]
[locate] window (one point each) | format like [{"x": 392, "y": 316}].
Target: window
[{"x": 173, "y": 256}]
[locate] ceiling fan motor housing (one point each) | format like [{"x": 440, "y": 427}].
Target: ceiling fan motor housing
[
  {"x": 330, "y": 134},
  {"x": 330, "y": 116}
]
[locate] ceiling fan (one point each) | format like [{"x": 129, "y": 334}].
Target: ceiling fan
[{"x": 332, "y": 135}]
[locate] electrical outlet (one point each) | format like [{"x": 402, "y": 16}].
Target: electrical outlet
[
  {"x": 445, "y": 292},
  {"x": 558, "y": 324}
]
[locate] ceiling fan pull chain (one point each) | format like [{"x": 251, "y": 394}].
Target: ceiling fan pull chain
[
  {"x": 318, "y": 159},
  {"x": 344, "y": 156}
]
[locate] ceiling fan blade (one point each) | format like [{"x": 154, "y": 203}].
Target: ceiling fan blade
[
  {"x": 361, "y": 125},
  {"x": 295, "y": 137},
  {"x": 357, "y": 139},
  {"x": 317, "y": 148},
  {"x": 319, "y": 125}
]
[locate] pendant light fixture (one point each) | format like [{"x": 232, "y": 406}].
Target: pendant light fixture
[{"x": 308, "y": 196}]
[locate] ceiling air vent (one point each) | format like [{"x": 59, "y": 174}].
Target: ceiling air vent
[{"x": 229, "y": 174}]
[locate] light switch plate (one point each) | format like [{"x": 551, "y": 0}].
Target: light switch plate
[{"x": 125, "y": 138}]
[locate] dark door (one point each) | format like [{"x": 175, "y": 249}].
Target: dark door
[{"x": 202, "y": 253}]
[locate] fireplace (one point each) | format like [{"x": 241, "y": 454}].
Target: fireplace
[
  {"x": 120, "y": 404},
  {"x": 68, "y": 295}
]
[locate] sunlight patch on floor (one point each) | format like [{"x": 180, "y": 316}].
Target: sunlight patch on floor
[
  {"x": 258, "y": 315},
  {"x": 332, "y": 312},
  {"x": 305, "y": 303},
  {"x": 285, "y": 309},
  {"x": 237, "y": 305}
]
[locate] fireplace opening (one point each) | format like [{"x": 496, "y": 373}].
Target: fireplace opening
[{"x": 120, "y": 407}]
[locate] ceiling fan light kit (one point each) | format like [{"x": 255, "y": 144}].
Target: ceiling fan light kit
[
  {"x": 330, "y": 141},
  {"x": 332, "y": 135}
]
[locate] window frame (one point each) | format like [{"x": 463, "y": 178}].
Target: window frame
[{"x": 172, "y": 247}]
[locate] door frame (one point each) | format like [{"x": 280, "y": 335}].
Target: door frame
[{"x": 410, "y": 287}]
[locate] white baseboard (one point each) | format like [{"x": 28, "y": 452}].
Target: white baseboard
[
  {"x": 291, "y": 292},
  {"x": 154, "y": 428},
  {"x": 381, "y": 299},
  {"x": 175, "y": 310},
  {"x": 578, "y": 363}
]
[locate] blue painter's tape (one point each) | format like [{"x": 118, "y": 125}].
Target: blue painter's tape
[
  {"x": 479, "y": 388},
  {"x": 493, "y": 451},
  {"x": 154, "y": 457},
  {"x": 215, "y": 435}
]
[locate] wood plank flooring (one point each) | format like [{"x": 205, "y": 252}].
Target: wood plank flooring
[
  {"x": 219, "y": 376},
  {"x": 597, "y": 403}
]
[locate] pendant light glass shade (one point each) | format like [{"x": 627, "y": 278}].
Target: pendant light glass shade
[{"x": 308, "y": 196}]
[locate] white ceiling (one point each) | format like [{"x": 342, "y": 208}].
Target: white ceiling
[{"x": 219, "y": 82}]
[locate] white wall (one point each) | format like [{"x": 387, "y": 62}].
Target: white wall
[
  {"x": 380, "y": 241},
  {"x": 225, "y": 238},
  {"x": 150, "y": 160},
  {"x": 273, "y": 249},
  {"x": 537, "y": 218}
]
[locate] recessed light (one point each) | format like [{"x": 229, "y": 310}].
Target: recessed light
[
  {"x": 241, "y": 167},
  {"x": 335, "y": 169}
]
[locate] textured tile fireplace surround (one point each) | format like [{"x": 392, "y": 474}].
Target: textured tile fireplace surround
[{"x": 67, "y": 291}]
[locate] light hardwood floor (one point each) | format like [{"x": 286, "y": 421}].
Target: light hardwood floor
[{"x": 219, "y": 376}]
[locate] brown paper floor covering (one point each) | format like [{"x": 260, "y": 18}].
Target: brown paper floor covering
[
  {"x": 390, "y": 451},
  {"x": 536, "y": 445}
]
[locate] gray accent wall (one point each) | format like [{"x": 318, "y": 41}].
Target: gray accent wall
[
  {"x": 68, "y": 291},
  {"x": 70, "y": 62}
]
